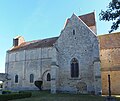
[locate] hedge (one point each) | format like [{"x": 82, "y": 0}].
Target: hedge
[
  {"x": 6, "y": 97},
  {"x": 6, "y": 92}
]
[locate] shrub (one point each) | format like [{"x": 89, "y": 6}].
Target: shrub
[
  {"x": 22, "y": 91},
  {"x": 6, "y": 92},
  {"x": 6, "y": 97},
  {"x": 38, "y": 84}
]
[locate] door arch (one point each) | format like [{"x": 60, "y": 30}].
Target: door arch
[{"x": 46, "y": 77}]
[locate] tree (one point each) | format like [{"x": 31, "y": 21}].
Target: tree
[{"x": 112, "y": 14}]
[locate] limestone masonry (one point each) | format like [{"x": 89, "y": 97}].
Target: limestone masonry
[
  {"x": 68, "y": 63},
  {"x": 110, "y": 61}
]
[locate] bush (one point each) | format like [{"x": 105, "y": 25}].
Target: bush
[
  {"x": 38, "y": 84},
  {"x": 6, "y": 92},
  {"x": 11, "y": 96},
  {"x": 22, "y": 92}
]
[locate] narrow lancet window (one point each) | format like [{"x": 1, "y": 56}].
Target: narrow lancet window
[{"x": 74, "y": 68}]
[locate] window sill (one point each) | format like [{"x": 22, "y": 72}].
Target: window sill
[{"x": 74, "y": 78}]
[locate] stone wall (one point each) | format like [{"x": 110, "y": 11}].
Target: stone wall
[
  {"x": 110, "y": 64},
  {"x": 93, "y": 28},
  {"x": 110, "y": 58},
  {"x": 3, "y": 76},
  {"x": 115, "y": 82},
  {"x": 26, "y": 62},
  {"x": 76, "y": 40},
  {"x": 79, "y": 45}
]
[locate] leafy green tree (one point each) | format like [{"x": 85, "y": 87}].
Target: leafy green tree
[{"x": 112, "y": 14}]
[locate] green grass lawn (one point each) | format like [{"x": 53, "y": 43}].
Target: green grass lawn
[{"x": 46, "y": 96}]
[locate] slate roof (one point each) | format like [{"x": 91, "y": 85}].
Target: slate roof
[
  {"x": 35, "y": 44},
  {"x": 108, "y": 41}
]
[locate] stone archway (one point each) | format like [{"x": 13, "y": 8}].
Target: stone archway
[
  {"x": 81, "y": 87},
  {"x": 46, "y": 80}
]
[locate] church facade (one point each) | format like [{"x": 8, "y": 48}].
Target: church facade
[{"x": 68, "y": 63}]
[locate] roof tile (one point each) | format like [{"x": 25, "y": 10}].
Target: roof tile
[
  {"x": 88, "y": 19},
  {"x": 108, "y": 41},
  {"x": 35, "y": 44}
]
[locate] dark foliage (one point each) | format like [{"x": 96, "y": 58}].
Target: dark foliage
[
  {"x": 6, "y": 97},
  {"x": 38, "y": 84},
  {"x": 112, "y": 14},
  {"x": 6, "y": 92}
]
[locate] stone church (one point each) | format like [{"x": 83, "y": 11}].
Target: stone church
[{"x": 67, "y": 63}]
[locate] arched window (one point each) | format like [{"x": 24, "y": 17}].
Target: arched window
[
  {"x": 48, "y": 77},
  {"x": 74, "y": 68},
  {"x": 16, "y": 78},
  {"x": 31, "y": 78}
]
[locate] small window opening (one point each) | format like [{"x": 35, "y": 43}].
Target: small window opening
[
  {"x": 73, "y": 32},
  {"x": 31, "y": 78},
  {"x": 48, "y": 77},
  {"x": 16, "y": 78}
]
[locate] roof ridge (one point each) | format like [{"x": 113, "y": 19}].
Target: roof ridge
[
  {"x": 87, "y": 14},
  {"x": 109, "y": 34}
]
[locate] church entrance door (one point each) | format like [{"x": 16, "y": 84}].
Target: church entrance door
[{"x": 47, "y": 81}]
